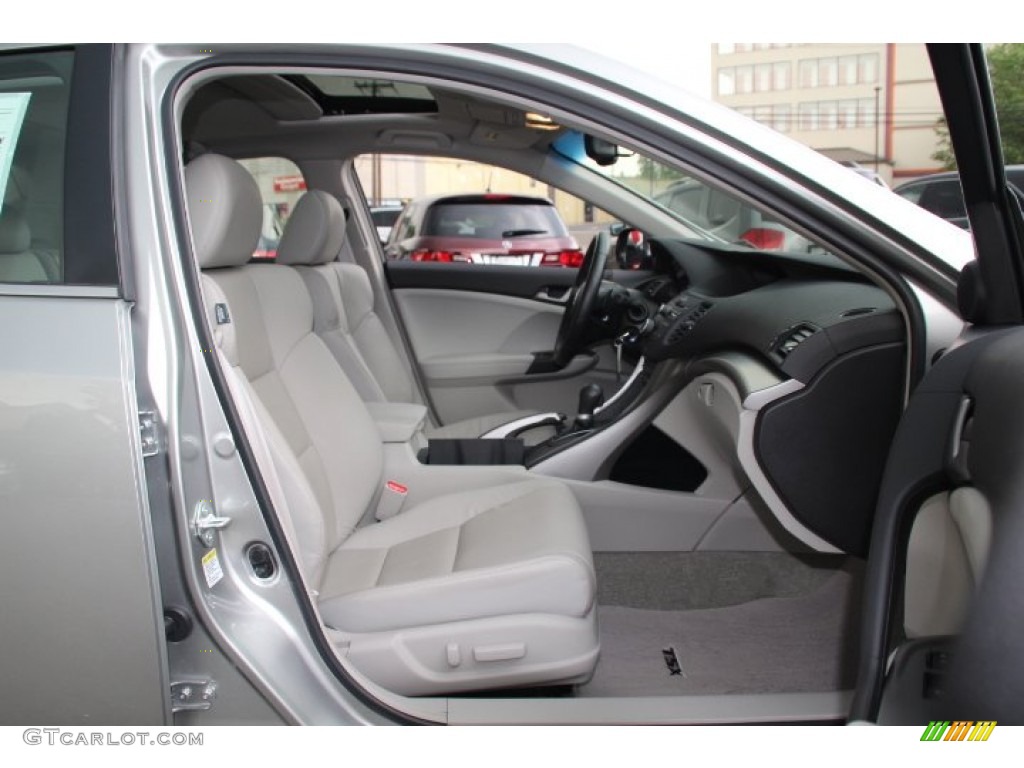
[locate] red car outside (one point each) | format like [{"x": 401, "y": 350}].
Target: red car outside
[{"x": 484, "y": 229}]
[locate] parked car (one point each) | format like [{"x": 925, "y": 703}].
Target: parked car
[
  {"x": 729, "y": 218},
  {"x": 384, "y": 218},
  {"x": 343, "y": 489},
  {"x": 940, "y": 193},
  {"x": 492, "y": 228},
  {"x": 869, "y": 174}
]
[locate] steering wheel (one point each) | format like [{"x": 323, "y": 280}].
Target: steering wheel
[{"x": 573, "y": 329}]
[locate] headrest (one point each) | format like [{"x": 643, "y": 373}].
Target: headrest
[
  {"x": 315, "y": 231},
  {"x": 15, "y": 236},
  {"x": 226, "y": 211}
]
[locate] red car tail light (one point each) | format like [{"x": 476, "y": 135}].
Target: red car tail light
[
  {"x": 764, "y": 239},
  {"x": 567, "y": 258},
  {"x": 425, "y": 254}
]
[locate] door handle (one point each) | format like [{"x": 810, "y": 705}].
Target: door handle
[{"x": 554, "y": 294}]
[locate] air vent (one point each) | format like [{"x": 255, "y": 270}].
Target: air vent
[{"x": 789, "y": 340}]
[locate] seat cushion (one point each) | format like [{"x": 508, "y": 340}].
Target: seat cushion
[{"x": 520, "y": 548}]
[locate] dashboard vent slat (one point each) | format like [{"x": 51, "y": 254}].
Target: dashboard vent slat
[{"x": 790, "y": 339}]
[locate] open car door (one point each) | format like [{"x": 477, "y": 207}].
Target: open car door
[{"x": 942, "y": 633}]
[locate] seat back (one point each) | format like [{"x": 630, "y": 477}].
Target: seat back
[
  {"x": 343, "y": 301},
  {"x": 17, "y": 263},
  {"x": 262, "y": 318}
]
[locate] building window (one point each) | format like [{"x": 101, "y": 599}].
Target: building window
[
  {"x": 745, "y": 79},
  {"x": 726, "y": 81},
  {"x": 847, "y": 70},
  {"x": 781, "y": 115},
  {"x": 808, "y": 116},
  {"x": 741, "y": 47},
  {"x": 828, "y": 72},
  {"x": 847, "y": 113},
  {"x": 828, "y": 115},
  {"x": 809, "y": 73},
  {"x": 867, "y": 66},
  {"x": 866, "y": 113},
  {"x": 724, "y": 48},
  {"x": 762, "y": 77},
  {"x": 780, "y": 76}
]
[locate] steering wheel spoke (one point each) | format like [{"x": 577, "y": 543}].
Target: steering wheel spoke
[{"x": 572, "y": 332}]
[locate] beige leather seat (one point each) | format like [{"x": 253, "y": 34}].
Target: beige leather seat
[
  {"x": 468, "y": 590},
  {"x": 17, "y": 263},
  {"x": 345, "y": 319}
]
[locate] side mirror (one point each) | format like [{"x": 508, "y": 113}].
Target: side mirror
[
  {"x": 615, "y": 227},
  {"x": 632, "y": 250}
]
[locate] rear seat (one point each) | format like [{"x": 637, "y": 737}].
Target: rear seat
[
  {"x": 470, "y": 590},
  {"x": 17, "y": 263},
  {"x": 345, "y": 319}
]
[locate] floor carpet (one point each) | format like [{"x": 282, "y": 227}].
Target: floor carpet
[{"x": 776, "y": 644}]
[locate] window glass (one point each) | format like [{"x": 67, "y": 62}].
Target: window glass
[
  {"x": 847, "y": 113},
  {"x": 868, "y": 67},
  {"x": 726, "y": 81},
  {"x": 866, "y": 113},
  {"x": 281, "y": 185},
  {"x": 34, "y": 96},
  {"x": 847, "y": 70},
  {"x": 944, "y": 198},
  {"x": 763, "y": 77},
  {"x": 780, "y": 75},
  {"x": 809, "y": 73},
  {"x": 828, "y": 72},
  {"x": 808, "y": 111},
  {"x": 827, "y": 115},
  {"x": 744, "y": 79},
  {"x": 911, "y": 193},
  {"x": 461, "y": 211},
  {"x": 781, "y": 117}
]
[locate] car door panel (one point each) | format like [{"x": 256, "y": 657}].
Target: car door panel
[
  {"x": 82, "y": 626},
  {"x": 475, "y": 332},
  {"x": 948, "y": 513}
]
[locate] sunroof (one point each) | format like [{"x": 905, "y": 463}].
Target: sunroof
[{"x": 338, "y": 95}]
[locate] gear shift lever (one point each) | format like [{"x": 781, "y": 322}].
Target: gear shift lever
[{"x": 591, "y": 396}]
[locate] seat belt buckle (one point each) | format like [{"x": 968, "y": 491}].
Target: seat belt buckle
[{"x": 392, "y": 498}]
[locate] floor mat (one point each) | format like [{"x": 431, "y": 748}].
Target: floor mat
[
  {"x": 781, "y": 644},
  {"x": 711, "y": 579}
]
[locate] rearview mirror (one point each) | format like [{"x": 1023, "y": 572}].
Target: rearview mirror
[{"x": 600, "y": 151}]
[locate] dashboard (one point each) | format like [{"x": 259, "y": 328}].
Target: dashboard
[{"x": 830, "y": 347}]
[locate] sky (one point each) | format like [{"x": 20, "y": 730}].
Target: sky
[
  {"x": 671, "y": 40},
  {"x": 651, "y": 34},
  {"x": 665, "y": 38}
]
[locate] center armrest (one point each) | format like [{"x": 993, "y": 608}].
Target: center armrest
[{"x": 398, "y": 422}]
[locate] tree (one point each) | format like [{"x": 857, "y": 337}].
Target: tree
[
  {"x": 1005, "y": 66},
  {"x": 944, "y": 154}
]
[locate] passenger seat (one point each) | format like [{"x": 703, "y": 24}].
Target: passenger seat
[
  {"x": 471, "y": 590},
  {"x": 345, "y": 319}
]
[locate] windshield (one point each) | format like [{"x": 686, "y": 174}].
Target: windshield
[{"x": 708, "y": 213}]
